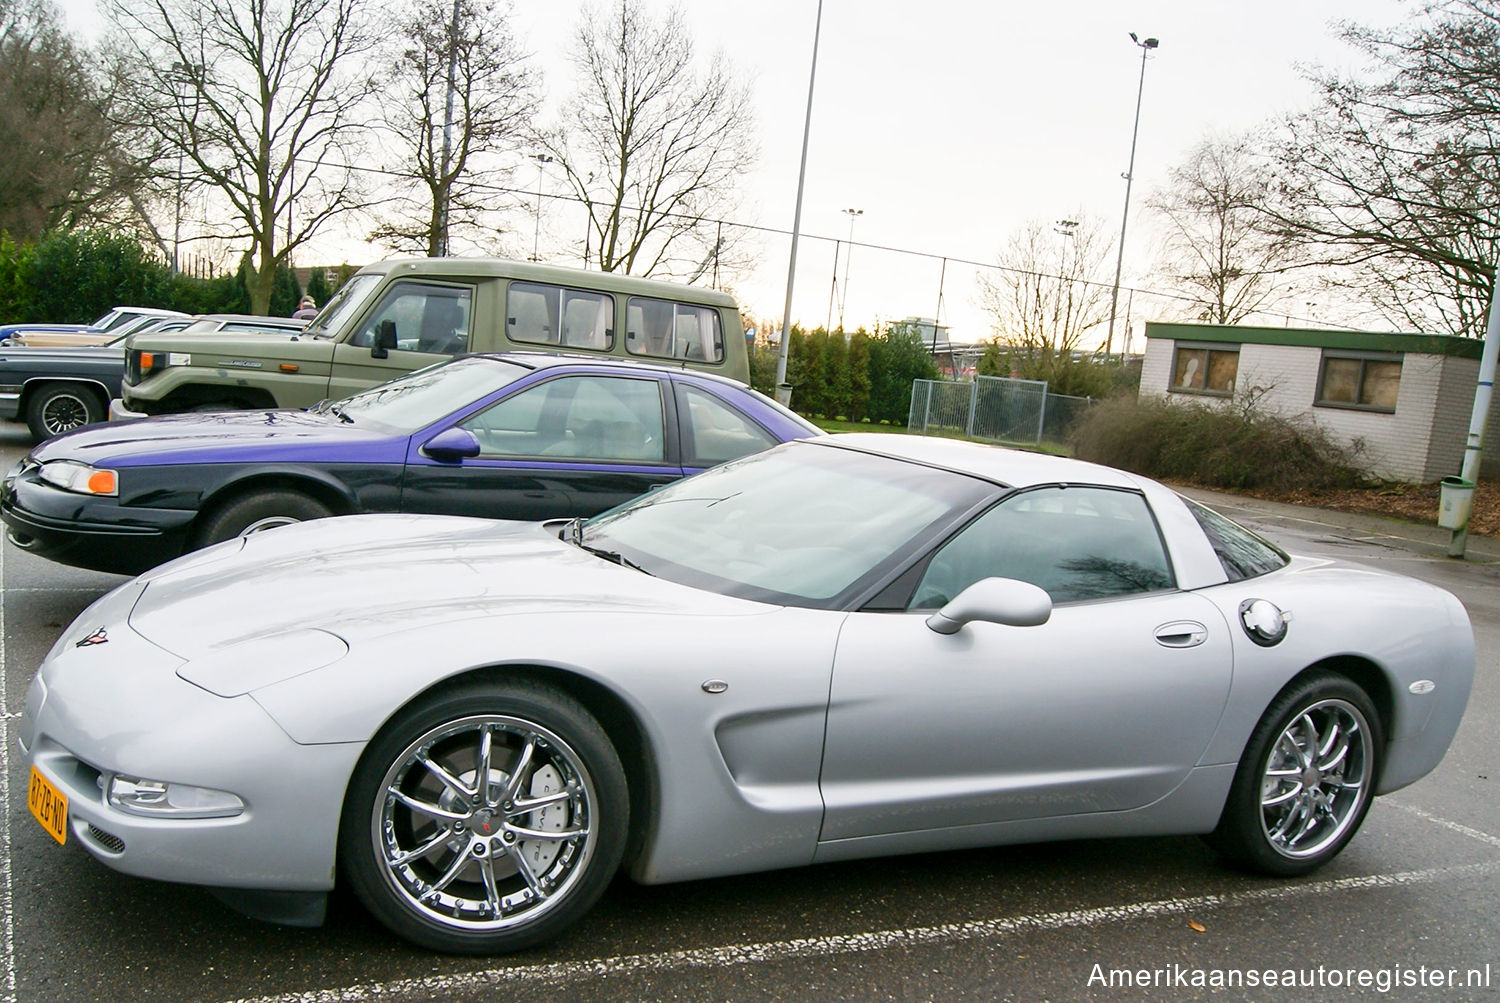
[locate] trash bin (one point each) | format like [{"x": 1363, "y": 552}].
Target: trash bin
[
  {"x": 1455, "y": 503},
  {"x": 784, "y": 394}
]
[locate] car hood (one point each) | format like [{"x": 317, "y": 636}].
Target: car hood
[
  {"x": 64, "y": 353},
  {"x": 365, "y": 577},
  {"x": 221, "y": 436}
]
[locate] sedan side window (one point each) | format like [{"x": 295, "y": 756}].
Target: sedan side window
[
  {"x": 578, "y": 417},
  {"x": 1077, "y": 543},
  {"x": 713, "y": 432},
  {"x": 429, "y": 318}
]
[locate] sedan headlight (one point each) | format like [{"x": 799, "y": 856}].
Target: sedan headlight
[
  {"x": 162, "y": 799},
  {"x": 70, "y": 475}
]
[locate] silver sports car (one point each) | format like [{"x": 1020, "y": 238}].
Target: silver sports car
[{"x": 839, "y": 648}]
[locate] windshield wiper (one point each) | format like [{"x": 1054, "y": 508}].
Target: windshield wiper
[
  {"x": 615, "y": 557},
  {"x": 572, "y": 531}
]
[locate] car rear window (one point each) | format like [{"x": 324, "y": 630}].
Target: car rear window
[{"x": 1241, "y": 552}]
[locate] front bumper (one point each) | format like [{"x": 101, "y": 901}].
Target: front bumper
[
  {"x": 118, "y": 411},
  {"x": 93, "y": 532},
  {"x": 119, "y": 707}
]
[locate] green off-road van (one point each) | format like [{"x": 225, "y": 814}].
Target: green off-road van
[{"x": 399, "y": 315}]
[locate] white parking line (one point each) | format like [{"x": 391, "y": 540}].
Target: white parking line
[
  {"x": 1458, "y": 827},
  {"x": 8, "y": 923},
  {"x": 444, "y": 986}
]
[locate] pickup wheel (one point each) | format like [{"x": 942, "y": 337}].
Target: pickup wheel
[
  {"x": 257, "y": 512},
  {"x": 61, "y": 407}
]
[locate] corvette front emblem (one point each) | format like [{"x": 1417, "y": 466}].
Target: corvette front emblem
[{"x": 97, "y": 637}]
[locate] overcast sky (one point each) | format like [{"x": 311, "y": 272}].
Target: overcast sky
[{"x": 952, "y": 122}]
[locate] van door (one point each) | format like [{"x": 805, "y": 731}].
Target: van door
[{"x": 433, "y": 321}]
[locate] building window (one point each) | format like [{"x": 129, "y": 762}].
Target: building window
[
  {"x": 1197, "y": 369},
  {"x": 1364, "y": 380}
]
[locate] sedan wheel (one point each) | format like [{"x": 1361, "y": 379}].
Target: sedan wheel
[
  {"x": 485, "y": 820},
  {"x": 257, "y": 512},
  {"x": 61, "y": 408},
  {"x": 1306, "y": 781}
]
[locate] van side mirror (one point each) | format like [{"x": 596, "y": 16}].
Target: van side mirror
[
  {"x": 385, "y": 340},
  {"x": 994, "y": 600}
]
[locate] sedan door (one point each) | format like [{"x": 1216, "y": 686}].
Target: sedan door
[
  {"x": 572, "y": 445},
  {"x": 1105, "y": 707}
]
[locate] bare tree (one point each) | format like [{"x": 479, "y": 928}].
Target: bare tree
[
  {"x": 651, "y": 147},
  {"x": 1044, "y": 298},
  {"x": 1217, "y": 249},
  {"x": 261, "y": 101},
  {"x": 62, "y": 167},
  {"x": 1396, "y": 175},
  {"x": 458, "y": 98}
]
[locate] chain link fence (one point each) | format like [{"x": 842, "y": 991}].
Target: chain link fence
[{"x": 994, "y": 408}]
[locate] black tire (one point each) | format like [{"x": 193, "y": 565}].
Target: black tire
[
  {"x": 1289, "y": 813},
  {"x": 259, "y": 511},
  {"x": 476, "y": 886},
  {"x": 61, "y": 407}
]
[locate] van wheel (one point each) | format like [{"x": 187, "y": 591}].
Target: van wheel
[
  {"x": 62, "y": 407},
  {"x": 259, "y": 512}
]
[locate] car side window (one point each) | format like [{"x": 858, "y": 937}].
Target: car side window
[
  {"x": 713, "y": 432},
  {"x": 1077, "y": 543},
  {"x": 577, "y": 417},
  {"x": 432, "y": 319}
]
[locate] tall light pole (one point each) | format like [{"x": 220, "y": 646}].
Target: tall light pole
[
  {"x": 443, "y": 246},
  {"x": 853, "y": 214},
  {"x": 791, "y": 270},
  {"x": 1146, "y": 46},
  {"x": 542, "y": 160}
]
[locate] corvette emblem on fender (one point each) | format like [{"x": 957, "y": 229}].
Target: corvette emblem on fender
[{"x": 97, "y": 637}]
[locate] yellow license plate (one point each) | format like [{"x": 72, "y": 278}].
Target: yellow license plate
[{"x": 49, "y": 805}]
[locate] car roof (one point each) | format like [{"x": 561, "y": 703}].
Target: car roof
[
  {"x": 1010, "y": 467},
  {"x": 547, "y": 360},
  {"x": 525, "y": 271},
  {"x": 253, "y": 318}
]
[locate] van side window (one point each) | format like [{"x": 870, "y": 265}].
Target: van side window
[
  {"x": 431, "y": 319},
  {"x": 539, "y": 314},
  {"x": 662, "y": 329}
]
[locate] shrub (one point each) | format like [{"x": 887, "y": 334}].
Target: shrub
[{"x": 1237, "y": 447}]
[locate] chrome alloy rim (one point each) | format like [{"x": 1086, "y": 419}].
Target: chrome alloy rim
[
  {"x": 485, "y": 855},
  {"x": 1316, "y": 778},
  {"x": 269, "y": 522},
  {"x": 63, "y": 413}
]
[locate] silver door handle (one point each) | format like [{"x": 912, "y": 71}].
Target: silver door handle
[{"x": 1181, "y": 634}]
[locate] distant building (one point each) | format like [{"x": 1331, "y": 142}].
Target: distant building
[{"x": 1405, "y": 399}]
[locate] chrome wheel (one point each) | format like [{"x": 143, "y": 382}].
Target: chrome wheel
[
  {"x": 485, "y": 823},
  {"x": 1317, "y": 778},
  {"x": 269, "y": 523},
  {"x": 1306, "y": 779}
]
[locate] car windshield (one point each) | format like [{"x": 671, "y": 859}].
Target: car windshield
[
  {"x": 802, "y": 524},
  {"x": 347, "y": 301},
  {"x": 418, "y": 399}
]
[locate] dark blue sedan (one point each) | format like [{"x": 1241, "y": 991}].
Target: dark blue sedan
[{"x": 509, "y": 436}]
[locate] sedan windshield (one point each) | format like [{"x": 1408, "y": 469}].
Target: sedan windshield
[
  {"x": 802, "y": 523},
  {"x": 418, "y": 399}
]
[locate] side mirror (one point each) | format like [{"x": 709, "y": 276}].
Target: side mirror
[
  {"x": 994, "y": 600},
  {"x": 385, "y": 340},
  {"x": 451, "y": 445}
]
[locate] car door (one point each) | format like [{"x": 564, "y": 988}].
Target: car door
[
  {"x": 1105, "y": 707},
  {"x": 571, "y": 445}
]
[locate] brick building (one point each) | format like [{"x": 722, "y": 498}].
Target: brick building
[{"x": 1406, "y": 397}]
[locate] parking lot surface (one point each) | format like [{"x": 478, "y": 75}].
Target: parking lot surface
[{"x": 1408, "y": 908}]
